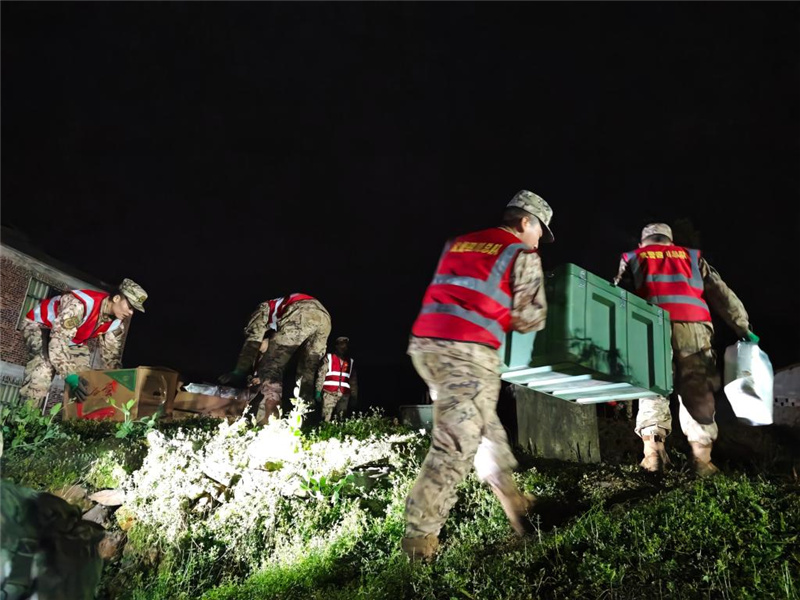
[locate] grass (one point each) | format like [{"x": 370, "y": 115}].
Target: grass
[
  {"x": 600, "y": 531},
  {"x": 733, "y": 538}
]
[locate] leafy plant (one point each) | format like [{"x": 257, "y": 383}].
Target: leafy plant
[
  {"x": 129, "y": 425},
  {"x": 326, "y": 487},
  {"x": 23, "y": 425}
]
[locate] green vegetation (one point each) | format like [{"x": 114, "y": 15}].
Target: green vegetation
[
  {"x": 233, "y": 511},
  {"x": 23, "y": 425}
]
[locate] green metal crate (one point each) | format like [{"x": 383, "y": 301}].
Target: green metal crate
[
  {"x": 418, "y": 416},
  {"x": 601, "y": 343}
]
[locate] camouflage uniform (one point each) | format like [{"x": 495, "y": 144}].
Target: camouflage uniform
[
  {"x": 464, "y": 383},
  {"x": 48, "y": 551},
  {"x": 694, "y": 359},
  {"x": 336, "y": 403},
  {"x": 59, "y": 354},
  {"x": 304, "y": 327}
]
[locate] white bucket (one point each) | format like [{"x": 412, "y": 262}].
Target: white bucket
[{"x": 748, "y": 383}]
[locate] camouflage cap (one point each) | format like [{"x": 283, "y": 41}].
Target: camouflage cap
[
  {"x": 656, "y": 229},
  {"x": 134, "y": 293},
  {"x": 343, "y": 338},
  {"x": 530, "y": 202}
]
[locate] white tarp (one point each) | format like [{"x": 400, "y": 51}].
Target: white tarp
[{"x": 749, "y": 382}]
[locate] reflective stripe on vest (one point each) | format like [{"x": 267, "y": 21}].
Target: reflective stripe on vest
[
  {"x": 675, "y": 299},
  {"x": 337, "y": 380},
  {"x": 51, "y": 309},
  {"x": 88, "y": 327},
  {"x": 91, "y": 327},
  {"x": 278, "y": 306},
  {"x": 274, "y": 305},
  {"x": 680, "y": 311},
  {"x": 50, "y": 306},
  {"x": 88, "y": 301},
  {"x": 491, "y": 326},
  {"x": 489, "y": 287},
  {"x": 470, "y": 297}
]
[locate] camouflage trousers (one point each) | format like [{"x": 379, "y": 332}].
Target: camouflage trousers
[
  {"x": 38, "y": 370},
  {"x": 303, "y": 329},
  {"x": 48, "y": 552},
  {"x": 464, "y": 384},
  {"x": 696, "y": 379},
  {"x": 334, "y": 404}
]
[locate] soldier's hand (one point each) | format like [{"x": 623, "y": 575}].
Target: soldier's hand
[
  {"x": 79, "y": 387},
  {"x": 233, "y": 379},
  {"x": 752, "y": 337}
]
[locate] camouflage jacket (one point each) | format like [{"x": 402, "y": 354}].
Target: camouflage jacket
[
  {"x": 258, "y": 328},
  {"x": 70, "y": 315}
]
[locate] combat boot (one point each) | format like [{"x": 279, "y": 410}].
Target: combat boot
[
  {"x": 515, "y": 504},
  {"x": 701, "y": 460},
  {"x": 421, "y": 549},
  {"x": 655, "y": 454}
]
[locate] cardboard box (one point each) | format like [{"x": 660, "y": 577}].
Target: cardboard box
[
  {"x": 187, "y": 404},
  {"x": 150, "y": 387}
]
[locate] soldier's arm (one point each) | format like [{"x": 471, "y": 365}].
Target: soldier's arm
[
  {"x": 722, "y": 299},
  {"x": 257, "y": 325},
  {"x": 254, "y": 333},
  {"x": 321, "y": 372},
  {"x": 70, "y": 316},
  {"x": 624, "y": 278},
  {"x": 111, "y": 347},
  {"x": 529, "y": 305}
]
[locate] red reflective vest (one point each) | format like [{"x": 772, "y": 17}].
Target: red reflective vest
[
  {"x": 669, "y": 276},
  {"x": 469, "y": 299},
  {"x": 278, "y": 306},
  {"x": 337, "y": 379},
  {"x": 46, "y": 311}
]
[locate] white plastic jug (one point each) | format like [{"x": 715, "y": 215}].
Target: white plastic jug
[{"x": 748, "y": 383}]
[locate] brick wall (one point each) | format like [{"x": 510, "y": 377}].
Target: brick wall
[
  {"x": 13, "y": 283},
  {"x": 14, "y": 277}
]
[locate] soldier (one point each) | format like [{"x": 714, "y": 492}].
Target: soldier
[
  {"x": 300, "y": 323},
  {"x": 487, "y": 283},
  {"x": 72, "y": 319},
  {"x": 337, "y": 384},
  {"x": 680, "y": 280}
]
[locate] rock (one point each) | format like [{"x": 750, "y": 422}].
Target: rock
[
  {"x": 111, "y": 545},
  {"x": 149, "y": 556},
  {"x": 367, "y": 477},
  {"x": 202, "y": 505},
  {"x": 125, "y": 518},
  {"x": 108, "y": 497},
  {"x": 99, "y": 514},
  {"x": 75, "y": 495}
]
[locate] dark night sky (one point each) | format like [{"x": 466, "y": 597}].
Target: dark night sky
[{"x": 222, "y": 154}]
